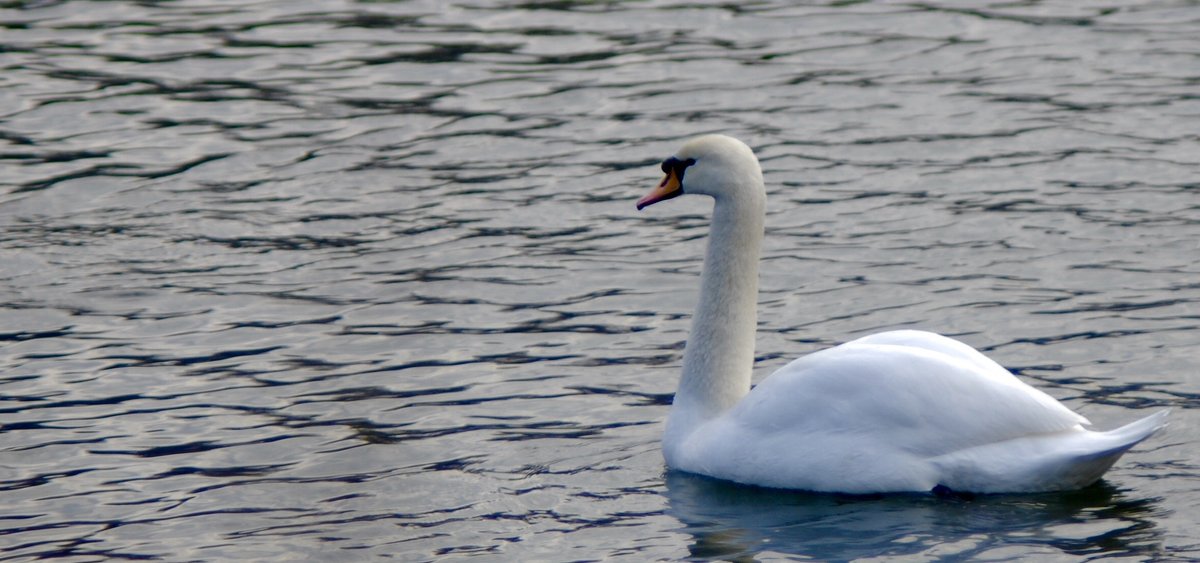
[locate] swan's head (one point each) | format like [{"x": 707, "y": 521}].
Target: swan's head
[{"x": 712, "y": 165}]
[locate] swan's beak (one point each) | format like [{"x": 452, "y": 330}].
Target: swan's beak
[{"x": 668, "y": 188}]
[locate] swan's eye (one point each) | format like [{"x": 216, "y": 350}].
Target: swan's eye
[{"x": 677, "y": 166}]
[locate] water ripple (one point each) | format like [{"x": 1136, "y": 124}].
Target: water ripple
[{"x": 367, "y": 278}]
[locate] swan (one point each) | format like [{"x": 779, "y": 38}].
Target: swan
[{"x": 898, "y": 411}]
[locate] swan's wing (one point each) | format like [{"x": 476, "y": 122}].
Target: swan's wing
[
  {"x": 937, "y": 343},
  {"x": 916, "y": 392}
]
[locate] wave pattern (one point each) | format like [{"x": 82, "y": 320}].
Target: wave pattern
[{"x": 353, "y": 280}]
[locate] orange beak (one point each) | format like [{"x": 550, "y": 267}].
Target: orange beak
[{"x": 668, "y": 188}]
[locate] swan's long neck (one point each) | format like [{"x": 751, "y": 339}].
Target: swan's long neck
[{"x": 719, "y": 356}]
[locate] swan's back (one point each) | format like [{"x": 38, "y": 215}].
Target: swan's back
[{"x": 924, "y": 392}]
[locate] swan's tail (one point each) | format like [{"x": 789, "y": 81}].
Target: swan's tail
[
  {"x": 1103, "y": 449},
  {"x": 1125, "y": 437},
  {"x": 1047, "y": 462}
]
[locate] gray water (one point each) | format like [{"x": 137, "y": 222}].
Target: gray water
[{"x": 339, "y": 281}]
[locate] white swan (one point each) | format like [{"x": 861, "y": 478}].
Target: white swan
[{"x": 895, "y": 411}]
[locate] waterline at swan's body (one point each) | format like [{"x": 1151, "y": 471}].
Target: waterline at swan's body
[{"x": 895, "y": 411}]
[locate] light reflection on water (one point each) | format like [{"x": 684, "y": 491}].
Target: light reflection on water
[
  {"x": 329, "y": 281},
  {"x": 732, "y": 522}
]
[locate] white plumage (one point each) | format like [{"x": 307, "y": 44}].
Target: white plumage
[{"x": 895, "y": 411}]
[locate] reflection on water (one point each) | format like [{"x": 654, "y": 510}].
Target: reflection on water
[
  {"x": 735, "y": 523},
  {"x": 307, "y": 281}
]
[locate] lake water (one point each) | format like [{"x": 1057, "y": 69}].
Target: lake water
[{"x": 340, "y": 281}]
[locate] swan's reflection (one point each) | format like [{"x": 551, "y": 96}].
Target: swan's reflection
[{"x": 735, "y": 523}]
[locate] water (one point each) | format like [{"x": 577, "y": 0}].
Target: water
[{"x": 344, "y": 281}]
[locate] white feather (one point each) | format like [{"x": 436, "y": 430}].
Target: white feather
[{"x": 895, "y": 411}]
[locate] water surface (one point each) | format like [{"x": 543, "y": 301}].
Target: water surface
[{"x": 343, "y": 281}]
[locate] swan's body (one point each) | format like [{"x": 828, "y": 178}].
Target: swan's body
[{"x": 895, "y": 411}]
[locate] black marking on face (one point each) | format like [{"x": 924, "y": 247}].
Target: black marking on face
[{"x": 675, "y": 166}]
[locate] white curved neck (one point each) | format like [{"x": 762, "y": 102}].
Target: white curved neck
[{"x": 719, "y": 356}]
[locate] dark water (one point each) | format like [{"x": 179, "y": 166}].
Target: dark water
[{"x": 339, "y": 281}]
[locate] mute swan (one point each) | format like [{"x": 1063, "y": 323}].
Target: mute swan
[{"x": 897, "y": 411}]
